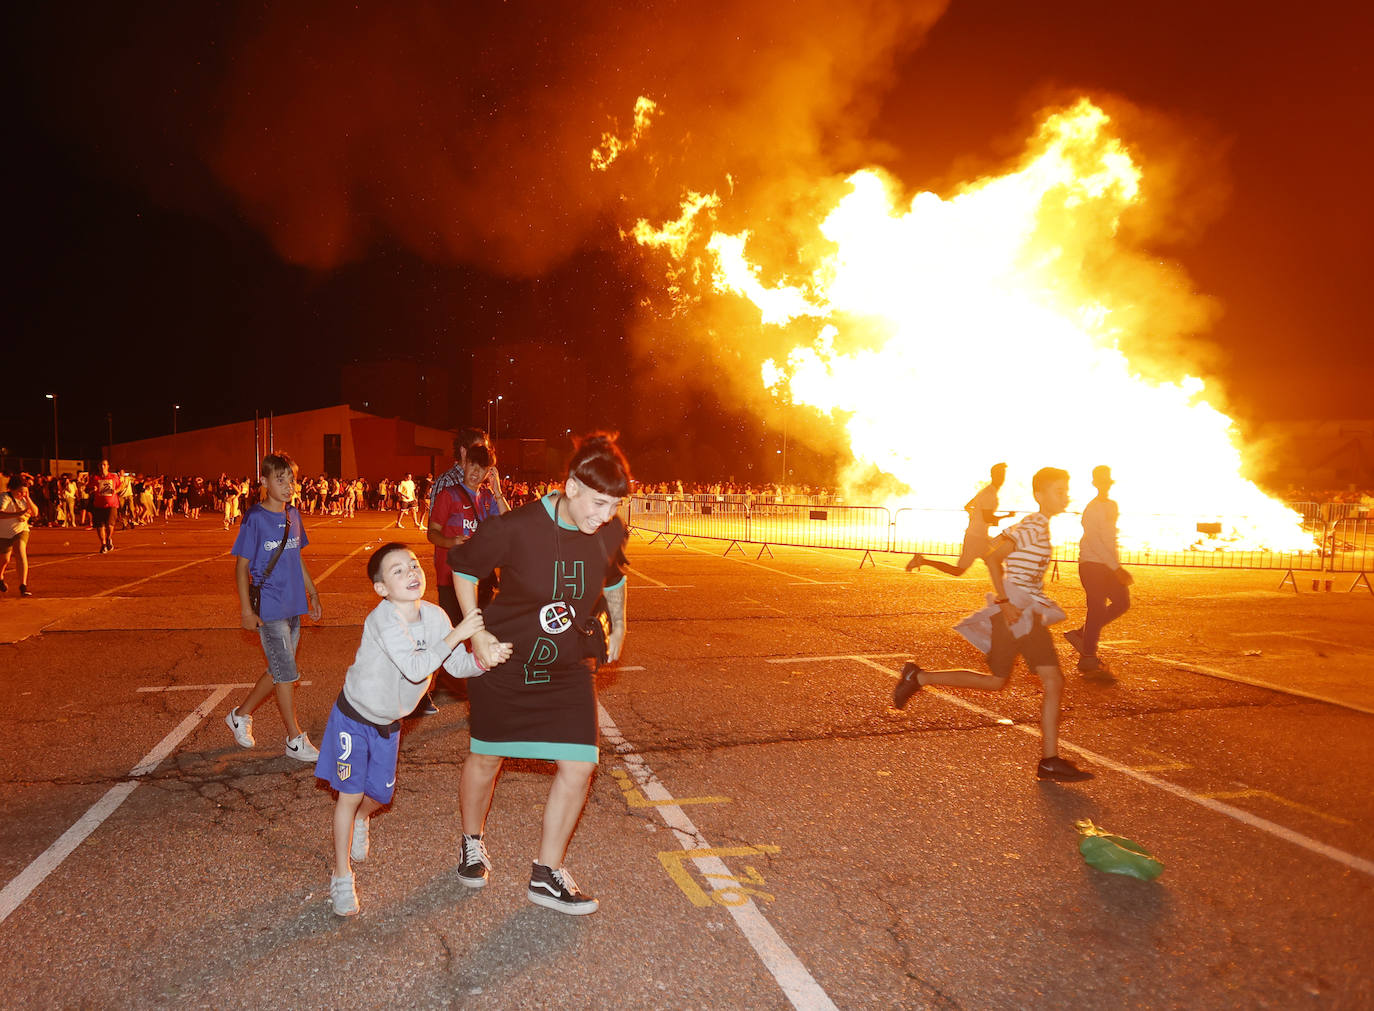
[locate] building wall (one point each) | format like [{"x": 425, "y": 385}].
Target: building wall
[{"x": 370, "y": 446}]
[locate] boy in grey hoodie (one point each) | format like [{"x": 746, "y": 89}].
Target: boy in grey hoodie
[{"x": 405, "y": 639}]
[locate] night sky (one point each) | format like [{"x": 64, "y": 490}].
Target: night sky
[{"x": 201, "y": 192}]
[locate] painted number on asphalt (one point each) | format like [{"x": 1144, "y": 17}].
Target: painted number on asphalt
[{"x": 737, "y": 894}]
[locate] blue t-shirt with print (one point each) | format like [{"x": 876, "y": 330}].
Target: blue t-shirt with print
[{"x": 283, "y": 595}]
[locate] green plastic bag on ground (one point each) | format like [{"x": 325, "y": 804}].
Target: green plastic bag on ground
[{"x": 1115, "y": 854}]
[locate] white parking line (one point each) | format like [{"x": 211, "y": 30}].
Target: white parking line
[
  {"x": 797, "y": 984},
  {"x": 1253, "y": 682},
  {"x": 1263, "y": 824},
  {"x": 650, "y": 579},
  {"x": 158, "y": 575},
  {"x": 329, "y": 571},
  {"x": 201, "y": 688},
  {"x": 50, "y": 859}
]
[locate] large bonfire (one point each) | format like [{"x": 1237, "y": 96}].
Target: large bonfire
[{"x": 944, "y": 334}]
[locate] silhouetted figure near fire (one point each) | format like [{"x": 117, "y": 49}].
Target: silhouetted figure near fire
[
  {"x": 1104, "y": 579},
  {"x": 982, "y": 515},
  {"x": 1015, "y": 623}
]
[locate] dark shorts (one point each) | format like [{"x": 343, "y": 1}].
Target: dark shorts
[
  {"x": 1036, "y": 646},
  {"x": 102, "y": 516}
]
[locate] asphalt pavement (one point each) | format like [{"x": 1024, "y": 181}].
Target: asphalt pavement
[{"x": 765, "y": 831}]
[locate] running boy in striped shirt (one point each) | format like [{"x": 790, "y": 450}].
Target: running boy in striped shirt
[{"x": 1016, "y": 623}]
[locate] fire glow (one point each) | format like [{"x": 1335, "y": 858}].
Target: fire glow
[{"x": 946, "y": 334}]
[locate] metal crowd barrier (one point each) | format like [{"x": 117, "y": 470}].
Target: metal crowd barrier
[{"x": 1343, "y": 536}]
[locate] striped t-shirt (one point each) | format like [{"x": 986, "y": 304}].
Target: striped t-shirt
[{"x": 1025, "y": 566}]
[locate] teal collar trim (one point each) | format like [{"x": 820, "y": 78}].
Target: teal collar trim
[{"x": 550, "y": 503}]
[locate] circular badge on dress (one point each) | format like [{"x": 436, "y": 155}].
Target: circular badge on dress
[{"x": 556, "y": 617}]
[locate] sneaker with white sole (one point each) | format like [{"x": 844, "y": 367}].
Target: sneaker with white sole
[
  {"x": 242, "y": 726},
  {"x": 555, "y": 889},
  {"x": 474, "y": 862},
  {"x": 343, "y": 896},
  {"x": 362, "y": 844},
  {"x": 301, "y": 749}
]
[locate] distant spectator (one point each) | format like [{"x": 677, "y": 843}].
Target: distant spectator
[
  {"x": 16, "y": 509},
  {"x": 105, "y": 489}
]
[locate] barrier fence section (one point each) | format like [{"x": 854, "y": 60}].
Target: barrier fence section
[{"x": 1342, "y": 534}]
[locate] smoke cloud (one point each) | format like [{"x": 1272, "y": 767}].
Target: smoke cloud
[{"x": 467, "y": 132}]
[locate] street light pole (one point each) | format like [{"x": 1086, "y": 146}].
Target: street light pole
[
  {"x": 56, "y": 452},
  {"x": 496, "y": 430},
  {"x": 175, "y": 408}
]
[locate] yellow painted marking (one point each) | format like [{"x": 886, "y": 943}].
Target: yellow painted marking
[
  {"x": 1237, "y": 794},
  {"x": 635, "y": 797},
  {"x": 674, "y": 863},
  {"x": 1169, "y": 764}
]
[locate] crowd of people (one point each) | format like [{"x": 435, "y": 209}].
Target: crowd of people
[
  {"x": 529, "y": 661},
  {"x": 71, "y": 500}
]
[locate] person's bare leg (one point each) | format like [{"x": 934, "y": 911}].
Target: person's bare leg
[
  {"x": 286, "y": 702},
  {"x": 567, "y": 797},
  {"x": 476, "y": 784},
  {"x": 348, "y": 807},
  {"x": 256, "y": 695},
  {"x": 1053, "y": 682},
  {"x": 962, "y": 679},
  {"x": 945, "y": 567}
]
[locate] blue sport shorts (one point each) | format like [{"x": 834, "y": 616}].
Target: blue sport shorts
[{"x": 356, "y": 758}]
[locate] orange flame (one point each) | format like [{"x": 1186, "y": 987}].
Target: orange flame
[
  {"x": 949, "y": 334},
  {"x": 612, "y": 147}
]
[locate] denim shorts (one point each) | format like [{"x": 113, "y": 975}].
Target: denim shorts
[{"x": 279, "y": 641}]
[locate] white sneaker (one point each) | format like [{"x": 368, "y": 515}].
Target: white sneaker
[
  {"x": 301, "y": 748},
  {"x": 343, "y": 896},
  {"x": 361, "y": 842},
  {"x": 242, "y": 726}
]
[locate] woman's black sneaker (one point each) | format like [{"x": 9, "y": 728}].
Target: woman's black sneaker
[
  {"x": 557, "y": 890},
  {"x": 474, "y": 864}
]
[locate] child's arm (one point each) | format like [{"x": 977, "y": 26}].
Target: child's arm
[
  {"x": 312, "y": 595},
  {"x": 1001, "y": 547},
  {"x": 484, "y": 644},
  {"x": 472, "y": 622},
  {"x": 461, "y": 663},
  {"x": 392, "y": 633},
  {"x": 501, "y": 505},
  {"x": 247, "y": 618}
]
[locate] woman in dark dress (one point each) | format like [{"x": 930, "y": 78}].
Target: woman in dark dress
[{"x": 558, "y": 556}]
